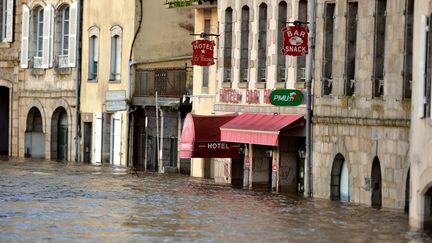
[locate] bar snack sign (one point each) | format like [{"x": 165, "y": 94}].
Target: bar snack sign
[
  {"x": 203, "y": 52},
  {"x": 295, "y": 40}
]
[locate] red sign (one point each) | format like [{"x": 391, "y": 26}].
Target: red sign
[
  {"x": 203, "y": 52},
  {"x": 295, "y": 40}
]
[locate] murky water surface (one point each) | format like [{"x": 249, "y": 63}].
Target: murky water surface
[{"x": 43, "y": 201}]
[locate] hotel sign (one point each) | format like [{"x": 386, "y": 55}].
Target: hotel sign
[{"x": 203, "y": 52}]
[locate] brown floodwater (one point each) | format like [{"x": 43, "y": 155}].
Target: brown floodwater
[{"x": 53, "y": 201}]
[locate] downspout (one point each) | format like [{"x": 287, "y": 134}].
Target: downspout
[
  {"x": 129, "y": 84},
  {"x": 78, "y": 83}
]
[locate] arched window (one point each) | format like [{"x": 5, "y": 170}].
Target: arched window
[
  {"x": 262, "y": 43},
  {"x": 281, "y": 77},
  {"x": 115, "y": 67},
  {"x": 244, "y": 45},
  {"x": 228, "y": 44},
  {"x": 93, "y": 55}
]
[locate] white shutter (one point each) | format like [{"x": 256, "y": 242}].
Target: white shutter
[
  {"x": 117, "y": 138},
  {"x": 51, "y": 36},
  {"x": 422, "y": 67},
  {"x": 98, "y": 138},
  {"x": 46, "y": 37},
  {"x": 25, "y": 36},
  {"x": 73, "y": 28},
  {"x": 9, "y": 20}
]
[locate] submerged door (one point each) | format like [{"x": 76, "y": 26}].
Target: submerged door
[
  {"x": 4, "y": 121},
  {"x": 344, "y": 183},
  {"x": 87, "y": 141},
  {"x": 62, "y": 142},
  {"x": 376, "y": 184}
]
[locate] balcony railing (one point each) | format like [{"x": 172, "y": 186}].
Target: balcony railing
[
  {"x": 167, "y": 82},
  {"x": 37, "y": 62}
]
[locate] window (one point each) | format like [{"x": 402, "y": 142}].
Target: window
[
  {"x": 427, "y": 86},
  {"x": 351, "y": 45},
  {"x": 116, "y": 33},
  {"x": 424, "y": 66},
  {"x": 62, "y": 36},
  {"x": 262, "y": 43},
  {"x": 408, "y": 50},
  {"x": 244, "y": 45},
  {"x": 281, "y": 73},
  {"x": 227, "y": 45},
  {"x": 41, "y": 36},
  {"x": 6, "y": 20},
  {"x": 328, "y": 48},
  {"x": 39, "y": 23},
  {"x": 93, "y": 53},
  {"x": 205, "y": 70},
  {"x": 301, "y": 61},
  {"x": 379, "y": 47}
]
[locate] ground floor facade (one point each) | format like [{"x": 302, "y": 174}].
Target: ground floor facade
[
  {"x": 9, "y": 117},
  {"x": 47, "y": 127},
  {"x": 361, "y": 161}
]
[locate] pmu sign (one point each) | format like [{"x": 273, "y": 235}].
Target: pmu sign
[
  {"x": 203, "y": 52},
  {"x": 295, "y": 40},
  {"x": 286, "y": 97}
]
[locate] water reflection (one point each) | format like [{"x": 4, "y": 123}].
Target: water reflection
[{"x": 46, "y": 201}]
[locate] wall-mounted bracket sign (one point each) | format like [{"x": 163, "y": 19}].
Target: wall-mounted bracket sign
[
  {"x": 203, "y": 52},
  {"x": 295, "y": 40},
  {"x": 286, "y": 97}
]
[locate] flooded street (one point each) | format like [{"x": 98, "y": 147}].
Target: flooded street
[{"x": 43, "y": 201}]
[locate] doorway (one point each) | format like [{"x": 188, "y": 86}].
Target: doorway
[
  {"x": 427, "y": 220},
  {"x": 87, "y": 142},
  {"x": 376, "y": 184},
  {"x": 407, "y": 192},
  {"x": 59, "y": 135},
  {"x": 34, "y": 135},
  {"x": 339, "y": 181},
  {"x": 4, "y": 121}
]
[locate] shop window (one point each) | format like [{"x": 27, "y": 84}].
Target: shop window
[
  {"x": 351, "y": 46},
  {"x": 282, "y": 21},
  {"x": 244, "y": 45},
  {"x": 379, "y": 47},
  {"x": 328, "y": 48},
  {"x": 262, "y": 43}
]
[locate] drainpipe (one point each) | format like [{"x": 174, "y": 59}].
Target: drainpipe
[
  {"x": 309, "y": 100},
  {"x": 129, "y": 84},
  {"x": 78, "y": 83}
]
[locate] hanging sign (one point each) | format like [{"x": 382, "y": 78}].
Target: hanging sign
[
  {"x": 203, "y": 52},
  {"x": 286, "y": 97},
  {"x": 295, "y": 40}
]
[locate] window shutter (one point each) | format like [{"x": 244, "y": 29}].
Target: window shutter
[
  {"x": 73, "y": 13},
  {"x": 422, "y": 67},
  {"x": 25, "y": 36},
  {"x": 46, "y": 37},
  {"x": 9, "y": 21},
  {"x": 51, "y": 36}
]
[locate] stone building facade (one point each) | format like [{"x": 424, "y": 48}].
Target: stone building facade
[
  {"x": 250, "y": 65},
  {"x": 47, "y": 100},
  {"x": 420, "y": 155},
  {"x": 9, "y": 77},
  {"x": 363, "y": 71}
]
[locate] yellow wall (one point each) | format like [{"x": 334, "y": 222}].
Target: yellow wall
[{"x": 106, "y": 14}]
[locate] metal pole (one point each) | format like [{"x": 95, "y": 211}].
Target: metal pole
[
  {"x": 309, "y": 99},
  {"x": 157, "y": 133}
]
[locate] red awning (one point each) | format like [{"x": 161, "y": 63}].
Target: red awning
[
  {"x": 261, "y": 129},
  {"x": 201, "y": 138}
]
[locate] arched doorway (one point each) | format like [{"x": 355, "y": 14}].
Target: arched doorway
[
  {"x": 59, "y": 134},
  {"x": 34, "y": 135},
  {"x": 4, "y": 121},
  {"x": 376, "y": 184},
  {"x": 407, "y": 192},
  {"x": 339, "y": 182},
  {"x": 427, "y": 220}
]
